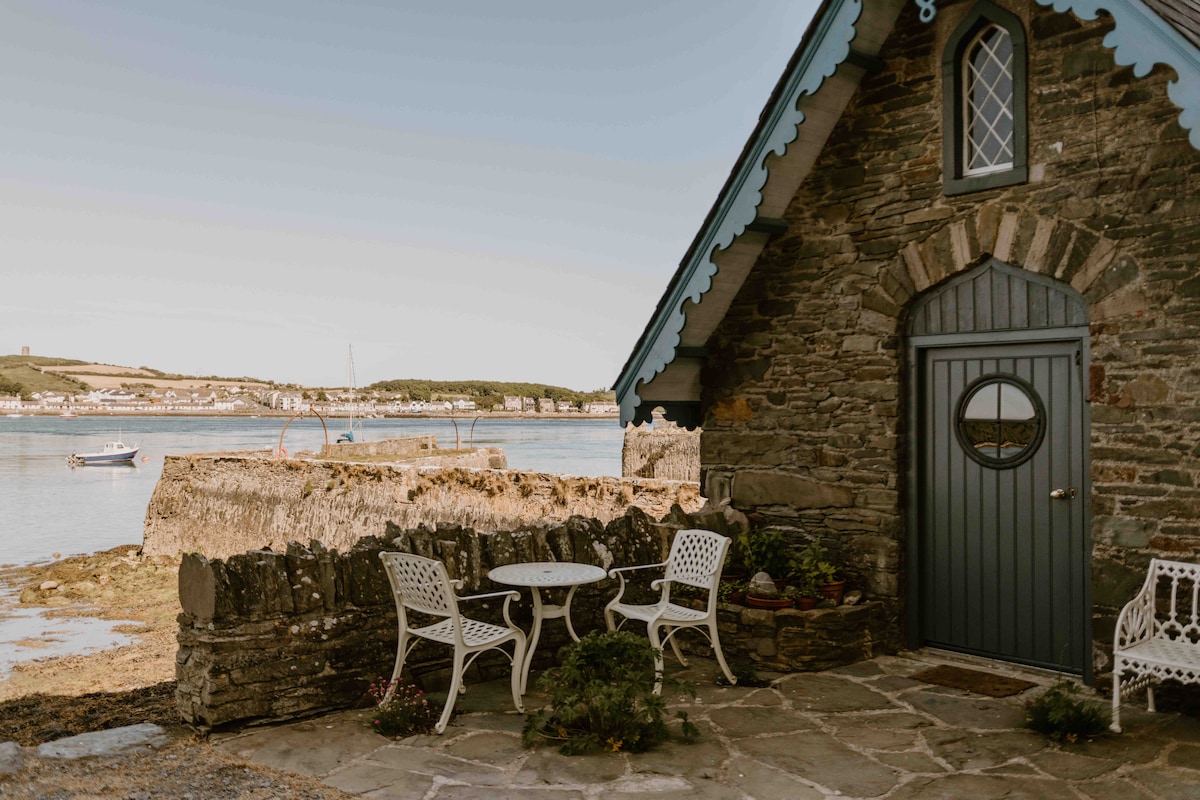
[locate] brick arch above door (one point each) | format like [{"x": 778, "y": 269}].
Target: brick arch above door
[{"x": 1099, "y": 268}]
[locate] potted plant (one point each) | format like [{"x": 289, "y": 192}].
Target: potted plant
[
  {"x": 803, "y": 593},
  {"x": 814, "y": 569},
  {"x": 763, "y": 593},
  {"x": 731, "y": 591},
  {"x": 768, "y": 551}
]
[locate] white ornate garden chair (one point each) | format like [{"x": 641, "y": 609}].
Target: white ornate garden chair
[
  {"x": 1158, "y": 633},
  {"x": 422, "y": 585},
  {"x": 696, "y": 559}
]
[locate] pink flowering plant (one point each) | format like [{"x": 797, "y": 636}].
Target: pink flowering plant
[{"x": 405, "y": 712}]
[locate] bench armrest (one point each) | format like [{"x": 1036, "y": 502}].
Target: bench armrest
[{"x": 1136, "y": 621}]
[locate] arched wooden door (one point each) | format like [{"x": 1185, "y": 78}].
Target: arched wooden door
[{"x": 998, "y": 546}]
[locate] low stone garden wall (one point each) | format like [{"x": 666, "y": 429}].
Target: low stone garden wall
[{"x": 275, "y": 635}]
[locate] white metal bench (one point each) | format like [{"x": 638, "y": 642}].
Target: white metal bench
[{"x": 1158, "y": 633}]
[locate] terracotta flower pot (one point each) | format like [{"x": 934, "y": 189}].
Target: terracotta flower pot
[
  {"x": 767, "y": 602},
  {"x": 807, "y": 603},
  {"x": 833, "y": 591}
]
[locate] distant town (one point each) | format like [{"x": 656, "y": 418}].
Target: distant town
[
  {"x": 33, "y": 385},
  {"x": 236, "y": 400}
]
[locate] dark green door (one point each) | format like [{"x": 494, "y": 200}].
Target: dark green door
[{"x": 1001, "y": 556}]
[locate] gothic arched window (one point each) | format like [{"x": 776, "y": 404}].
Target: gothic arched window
[{"x": 983, "y": 77}]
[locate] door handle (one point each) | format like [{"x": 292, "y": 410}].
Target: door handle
[{"x": 1061, "y": 494}]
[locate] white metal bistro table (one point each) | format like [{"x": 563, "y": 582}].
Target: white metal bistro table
[{"x": 547, "y": 574}]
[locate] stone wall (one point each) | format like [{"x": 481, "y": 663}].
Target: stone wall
[
  {"x": 790, "y": 640},
  {"x": 403, "y": 446},
  {"x": 266, "y": 635},
  {"x": 665, "y": 451},
  {"x": 221, "y": 505},
  {"x": 273, "y": 635},
  {"x": 803, "y": 385}
]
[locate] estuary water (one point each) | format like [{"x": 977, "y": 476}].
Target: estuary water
[{"x": 48, "y": 507}]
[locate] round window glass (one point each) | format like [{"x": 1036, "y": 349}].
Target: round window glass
[{"x": 1001, "y": 421}]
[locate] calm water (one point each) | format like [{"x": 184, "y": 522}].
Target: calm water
[{"x": 48, "y": 507}]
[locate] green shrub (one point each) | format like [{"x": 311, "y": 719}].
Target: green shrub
[
  {"x": 727, "y": 589},
  {"x": 407, "y": 712},
  {"x": 1059, "y": 714},
  {"x": 602, "y": 698},
  {"x": 768, "y": 551},
  {"x": 814, "y": 567}
]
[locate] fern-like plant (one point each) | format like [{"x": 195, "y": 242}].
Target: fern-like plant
[
  {"x": 1061, "y": 715},
  {"x": 602, "y": 698}
]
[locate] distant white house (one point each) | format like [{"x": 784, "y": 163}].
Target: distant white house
[
  {"x": 545, "y": 405},
  {"x": 601, "y": 408},
  {"x": 108, "y": 397},
  {"x": 293, "y": 401},
  {"x": 233, "y": 404},
  {"x": 513, "y": 404},
  {"x": 10, "y": 402},
  {"x": 463, "y": 404}
]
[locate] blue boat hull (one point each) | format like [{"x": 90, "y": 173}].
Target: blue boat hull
[{"x": 92, "y": 459}]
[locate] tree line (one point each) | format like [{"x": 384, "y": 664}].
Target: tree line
[{"x": 484, "y": 393}]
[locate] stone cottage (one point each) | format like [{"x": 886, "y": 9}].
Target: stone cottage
[{"x": 945, "y": 314}]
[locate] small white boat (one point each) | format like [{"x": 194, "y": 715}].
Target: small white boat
[
  {"x": 68, "y": 415},
  {"x": 14, "y": 415},
  {"x": 113, "y": 453}
]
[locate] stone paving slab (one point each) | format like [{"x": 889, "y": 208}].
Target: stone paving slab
[
  {"x": 864, "y": 731},
  {"x": 11, "y": 759},
  {"x": 106, "y": 743}
]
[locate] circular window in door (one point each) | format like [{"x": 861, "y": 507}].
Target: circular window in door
[{"x": 1000, "y": 421}]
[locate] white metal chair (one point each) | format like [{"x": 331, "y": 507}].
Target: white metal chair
[
  {"x": 696, "y": 559},
  {"x": 422, "y": 585},
  {"x": 1158, "y": 633}
]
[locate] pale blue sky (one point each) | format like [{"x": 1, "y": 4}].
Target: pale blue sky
[{"x": 458, "y": 189}]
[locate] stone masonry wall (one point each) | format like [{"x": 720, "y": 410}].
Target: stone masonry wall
[
  {"x": 274, "y": 635},
  {"x": 665, "y": 451},
  {"x": 268, "y": 635},
  {"x": 804, "y": 391},
  {"x": 222, "y": 505}
]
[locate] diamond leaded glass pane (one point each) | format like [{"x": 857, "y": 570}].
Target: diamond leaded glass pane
[{"x": 988, "y": 102}]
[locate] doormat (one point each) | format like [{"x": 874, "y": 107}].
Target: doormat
[{"x": 973, "y": 680}]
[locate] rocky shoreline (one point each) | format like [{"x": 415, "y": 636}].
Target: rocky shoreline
[
  {"x": 117, "y": 584},
  {"x": 45, "y": 700}
]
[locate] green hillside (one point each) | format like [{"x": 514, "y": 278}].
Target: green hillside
[
  {"x": 25, "y": 375},
  {"x": 19, "y": 375},
  {"x": 485, "y": 393}
]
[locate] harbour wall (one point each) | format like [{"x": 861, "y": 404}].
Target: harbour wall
[
  {"x": 221, "y": 505},
  {"x": 408, "y": 446}
]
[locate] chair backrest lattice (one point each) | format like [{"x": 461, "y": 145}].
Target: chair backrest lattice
[
  {"x": 421, "y": 584},
  {"x": 1176, "y": 586},
  {"x": 696, "y": 558}
]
